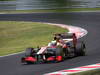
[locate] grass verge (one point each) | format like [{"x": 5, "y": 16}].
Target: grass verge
[
  {"x": 50, "y": 10},
  {"x": 92, "y": 72},
  {"x": 16, "y": 36}
]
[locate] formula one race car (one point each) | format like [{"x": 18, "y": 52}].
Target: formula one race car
[{"x": 64, "y": 45}]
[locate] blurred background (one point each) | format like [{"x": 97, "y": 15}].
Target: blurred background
[{"x": 47, "y": 4}]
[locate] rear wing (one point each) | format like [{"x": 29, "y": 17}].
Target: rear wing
[{"x": 67, "y": 37}]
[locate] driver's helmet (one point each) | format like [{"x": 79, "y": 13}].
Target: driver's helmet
[{"x": 52, "y": 43}]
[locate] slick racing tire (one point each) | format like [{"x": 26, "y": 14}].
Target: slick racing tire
[
  {"x": 28, "y": 51},
  {"x": 60, "y": 52},
  {"x": 80, "y": 49}
]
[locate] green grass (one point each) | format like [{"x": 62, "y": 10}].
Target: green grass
[
  {"x": 92, "y": 72},
  {"x": 16, "y": 36},
  {"x": 50, "y": 10}
]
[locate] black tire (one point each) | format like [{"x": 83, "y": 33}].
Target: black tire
[
  {"x": 28, "y": 51},
  {"x": 60, "y": 52},
  {"x": 28, "y": 63},
  {"x": 22, "y": 60},
  {"x": 80, "y": 49},
  {"x": 72, "y": 53},
  {"x": 65, "y": 50}
]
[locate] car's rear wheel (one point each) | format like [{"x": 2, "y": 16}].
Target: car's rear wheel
[{"x": 80, "y": 49}]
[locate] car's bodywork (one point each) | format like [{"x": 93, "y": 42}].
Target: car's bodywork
[{"x": 71, "y": 48}]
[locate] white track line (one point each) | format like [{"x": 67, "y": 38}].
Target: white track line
[{"x": 12, "y": 54}]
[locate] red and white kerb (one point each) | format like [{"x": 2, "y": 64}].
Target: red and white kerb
[{"x": 75, "y": 70}]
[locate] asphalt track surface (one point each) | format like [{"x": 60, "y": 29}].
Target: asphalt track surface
[{"x": 11, "y": 65}]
